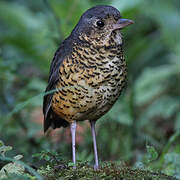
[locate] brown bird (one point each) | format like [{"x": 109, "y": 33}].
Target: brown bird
[{"x": 87, "y": 73}]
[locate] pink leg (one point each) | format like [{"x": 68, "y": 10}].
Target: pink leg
[
  {"x": 73, "y": 135},
  {"x": 96, "y": 166}
]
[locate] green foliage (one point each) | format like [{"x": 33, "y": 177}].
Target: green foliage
[
  {"x": 108, "y": 170},
  {"x": 151, "y": 155},
  {"x": 15, "y": 169},
  {"x": 57, "y": 168},
  {"x": 49, "y": 156},
  {"x": 143, "y": 126},
  {"x": 4, "y": 149}
]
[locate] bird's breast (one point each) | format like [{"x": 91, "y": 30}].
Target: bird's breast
[
  {"x": 90, "y": 82},
  {"x": 113, "y": 82}
]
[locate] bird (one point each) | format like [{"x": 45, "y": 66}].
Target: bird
[{"x": 87, "y": 74}]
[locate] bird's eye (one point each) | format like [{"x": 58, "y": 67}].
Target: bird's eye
[{"x": 100, "y": 23}]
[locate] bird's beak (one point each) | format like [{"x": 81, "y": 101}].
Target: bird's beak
[{"x": 121, "y": 23}]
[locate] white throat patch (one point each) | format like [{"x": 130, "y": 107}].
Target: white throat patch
[{"x": 118, "y": 38}]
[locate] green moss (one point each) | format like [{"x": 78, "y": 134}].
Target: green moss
[
  {"x": 56, "y": 168},
  {"x": 108, "y": 170}
]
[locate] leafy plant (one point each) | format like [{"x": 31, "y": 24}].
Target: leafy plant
[{"x": 16, "y": 168}]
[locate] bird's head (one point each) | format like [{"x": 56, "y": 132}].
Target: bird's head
[{"x": 100, "y": 24}]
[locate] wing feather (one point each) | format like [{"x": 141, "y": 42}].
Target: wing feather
[{"x": 50, "y": 118}]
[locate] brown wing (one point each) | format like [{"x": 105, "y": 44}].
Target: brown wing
[{"x": 50, "y": 118}]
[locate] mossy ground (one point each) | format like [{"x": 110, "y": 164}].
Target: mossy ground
[
  {"x": 50, "y": 166},
  {"x": 108, "y": 170}
]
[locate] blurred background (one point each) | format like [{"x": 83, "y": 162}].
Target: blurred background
[{"x": 146, "y": 115}]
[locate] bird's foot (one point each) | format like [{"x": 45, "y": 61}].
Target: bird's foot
[{"x": 96, "y": 167}]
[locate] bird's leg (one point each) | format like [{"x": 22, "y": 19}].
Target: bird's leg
[
  {"x": 73, "y": 135},
  {"x": 96, "y": 166}
]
